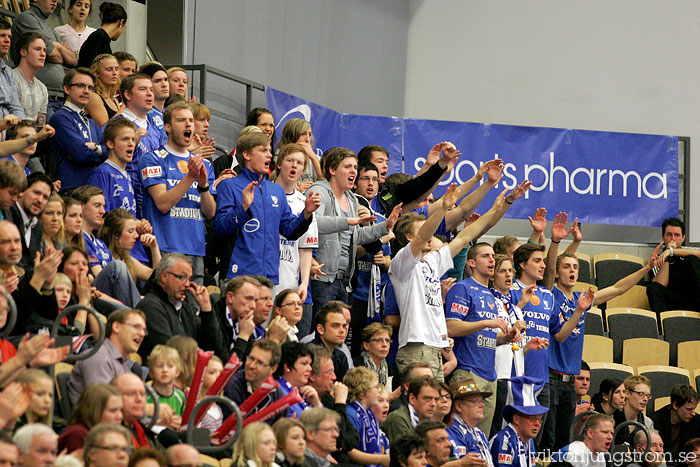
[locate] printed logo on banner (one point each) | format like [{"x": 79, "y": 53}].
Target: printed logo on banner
[{"x": 599, "y": 177}]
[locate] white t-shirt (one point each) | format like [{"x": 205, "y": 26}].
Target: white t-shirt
[
  {"x": 289, "y": 249},
  {"x": 417, "y": 288},
  {"x": 578, "y": 455},
  {"x": 73, "y": 39},
  {"x": 505, "y": 355}
]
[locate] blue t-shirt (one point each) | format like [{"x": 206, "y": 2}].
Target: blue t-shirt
[
  {"x": 12, "y": 159},
  {"x": 155, "y": 118},
  {"x": 508, "y": 450},
  {"x": 98, "y": 253},
  {"x": 470, "y": 301},
  {"x": 565, "y": 357},
  {"x": 119, "y": 193},
  {"x": 538, "y": 325},
  {"x": 181, "y": 230}
]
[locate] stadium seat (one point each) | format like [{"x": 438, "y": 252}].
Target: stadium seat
[
  {"x": 661, "y": 402},
  {"x": 689, "y": 355},
  {"x": 208, "y": 461},
  {"x": 584, "y": 268},
  {"x": 636, "y": 297},
  {"x": 62, "y": 372},
  {"x": 663, "y": 380},
  {"x": 611, "y": 267},
  {"x": 679, "y": 326},
  {"x": 594, "y": 322},
  {"x": 629, "y": 323},
  {"x": 597, "y": 348},
  {"x": 136, "y": 358},
  {"x": 602, "y": 370},
  {"x": 644, "y": 351}
]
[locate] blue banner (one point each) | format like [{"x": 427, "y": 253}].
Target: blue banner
[{"x": 599, "y": 177}]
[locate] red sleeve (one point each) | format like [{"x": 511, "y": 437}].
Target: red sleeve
[{"x": 8, "y": 350}]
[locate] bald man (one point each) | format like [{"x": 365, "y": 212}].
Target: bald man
[{"x": 183, "y": 455}]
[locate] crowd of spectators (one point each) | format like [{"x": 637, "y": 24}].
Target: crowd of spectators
[{"x": 350, "y": 315}]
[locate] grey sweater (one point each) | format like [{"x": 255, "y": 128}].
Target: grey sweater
[{"x": 331, "y": 223}]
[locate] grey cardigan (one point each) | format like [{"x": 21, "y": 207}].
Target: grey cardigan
[{"x": 331, "y": 223}]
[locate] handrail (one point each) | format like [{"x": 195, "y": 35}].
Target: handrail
[
  {"x": 197, "y": 408},
  {"x": 11, "y": 315},
  {"x": 72, "y": 358}
]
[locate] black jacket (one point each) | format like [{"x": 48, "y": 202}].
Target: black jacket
[
  {"x": 28, "y": 250},
  {"x": 221, "y": 336},
  {"x": 687, "y": 430},
  {"x": 164, "y": 321}
]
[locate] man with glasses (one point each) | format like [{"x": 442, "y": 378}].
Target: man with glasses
[
  {"x": 467, "y": 411},
  {"x": 107, "y": 446},
  {"x": 637, "y": 396},
  {"x": 37, "y": 444},
  {"x": 514, "y": 445},
  {"x": 261, "y": 363},
  {"x": 321, "y": 435},
  {"x": 182, "y": 455},
  {"x": 124, "y": 333},
  {"x": 175, "y": 305},
  {"x": 78, "y": 144},
  {"x": 423, "y": 396}
]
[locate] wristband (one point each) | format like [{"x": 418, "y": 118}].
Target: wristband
[
  {"x": 509, "y": 202},
  {"x": 29, "y": 140},
  {"x": 671, "y": 250},
  {"x": 556, "y": 242},
  {"x": 202, "y": 189}
]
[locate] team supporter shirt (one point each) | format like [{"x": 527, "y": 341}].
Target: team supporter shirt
[
  {"x": 509, "y": 450},
  {"x": 119, "y": 193},
  {"x": 578, "y": 455},
  {"x": 472, "y": 302},
  {"x": 509, "y": 362},
  {"x": 155, "y": 117},
  {"x": 181, "y": 230},
  {"x": 98, "y": 253},
  {"x": 537, "y": 318},
  {"x": 12, "y": 159},
  {"x": 565, "y": 357},
  {"x": 289, "y": 249},
  {"x": 417, "y": 289},
  {"x": 364, "y": 272},
  {"x": 465, "y": 439}
]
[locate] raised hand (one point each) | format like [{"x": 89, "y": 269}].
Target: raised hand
[
  {"x": 47, "y": 132},
  {"x": 8, "y": 122},
  {"x": 473, "y": 218},
  {"x": 249, "y": 194},
  {"x": 450, "y": 154},
  {"x": 394, "y": 216},
  {"x": 434, "y": 154},
  {"x": 201, "y": 295},
  {"x": 82, "y": 289},
  {"x": 559, "y": 227},
  {"x": 449, "y": 199},
  {"x": 312, "y": 203},
  {"x": 518, "y": 191},
  {"x": 14, "y": 401},
  {"x": 225, "y": 174},
  {"x": 586, "y": 300},
  {"x": 576, "y": 232},
  {"x": 494, "y": 171},
  {"x": 654, "y": 260},
  {"x": 539, "y": 220},
  {"x": 45, "y": 269}
]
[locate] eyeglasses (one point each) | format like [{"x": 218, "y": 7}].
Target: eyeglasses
[
  {"x": 643, "y": 395},
  {"x": 475, "y": 401},
  {"x": 256, "y": 361},
  {"x": 295, "y": 304},
  {"x": 381, "y": 340},
  {"x": 181, "y": 277},
  {"x": 367, "y": 179},
  {"x": 124, "y": 449},
  {"x": 333, "y": 429},
  {"x": 137, "y": 328},
  {"x": 446, "y": 397},
  {"x": 89, "y": 87},
  {"x": 532, "y": 418}
]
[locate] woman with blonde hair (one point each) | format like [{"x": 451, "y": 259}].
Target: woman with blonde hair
[
  {"x": 98, "y": 403},
  {"x": 298, "y": 130},
  {"x": 256, "y": 447},
  {"x": 291, "y": 441},
  {"x": 187, "y": 348},
  {"x": 177, "y": 78},
  {"x": 119, "y": 233},
  {"x": 102, "y": 105},
  {"x": 52, "y": 220}
]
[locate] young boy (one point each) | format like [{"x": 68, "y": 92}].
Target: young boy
[{"x": 164, "y": 368}]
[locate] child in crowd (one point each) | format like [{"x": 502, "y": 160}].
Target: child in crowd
[
  {"x": 63, "y": 288},
  {"x": 187, "y": 349},
  {"x": 164, "y": 368},
  {"x": 41, "y": 404},
  {"x": 214, "y": 417}
]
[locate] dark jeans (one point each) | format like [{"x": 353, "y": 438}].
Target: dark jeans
[
  {"x": 324, "y": 292},
  {"x": 304, "y": 326},
  {"x": 501, "y": 396},
  {"x": 543, "y": 399},
  {"x": 562, "y": 409},
  {"x": 357, "y": 324}
]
